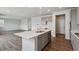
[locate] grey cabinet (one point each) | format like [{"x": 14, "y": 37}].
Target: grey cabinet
[
  {"x": 43, "y": 40},
  {"x": 39, "y": 42}
]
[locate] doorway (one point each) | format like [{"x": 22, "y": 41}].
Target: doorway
[
  {"x": 60, "y": 25},
  {"x": 67, "y": 22}
]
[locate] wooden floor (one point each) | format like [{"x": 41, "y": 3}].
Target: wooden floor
[
  {"x": 59, "y": 44},
  {"x": 10, "y": 42}
]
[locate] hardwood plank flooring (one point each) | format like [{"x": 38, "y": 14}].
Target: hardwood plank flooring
[
  {"x": 59, "y": 44},
  {"x": 10, "y": 42}
]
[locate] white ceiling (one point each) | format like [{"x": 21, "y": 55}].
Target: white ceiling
[{"x": 24, "y": 12}]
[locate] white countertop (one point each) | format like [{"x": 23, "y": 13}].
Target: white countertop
[
  {"x": 73, "y": 32},
  {"x": 29, "y": 34}
]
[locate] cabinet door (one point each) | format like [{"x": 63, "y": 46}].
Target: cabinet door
[
  {"x": 39, "y": 42},
  {"x": 44, "y": 39},
  {"x": 77, "y": 44},
  {"x": 49, "y": 36},
  {"x": 73, "y": 41},
  {"x": 77, "y": 15},
  {"x": 74, "y": 44}
]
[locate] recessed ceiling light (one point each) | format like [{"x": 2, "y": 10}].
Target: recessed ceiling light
[
  {"x": 48, "y": 10},
  {"x": 60, "y": 7},
  {"x": 40, "y": 7},
  {"x": 29, "y": 7}
]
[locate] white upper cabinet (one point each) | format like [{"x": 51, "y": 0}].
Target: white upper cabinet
[{"x": 77, "y": 15}]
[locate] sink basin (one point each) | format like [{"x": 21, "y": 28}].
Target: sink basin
[
  {"x": 39, "y": 31},
  {"x": 77, "y": 34}
]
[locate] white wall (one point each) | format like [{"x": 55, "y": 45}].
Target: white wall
[
  {"x": 24, "y": 24},
  {"x": 29, "y": 24},
  {"x": 74, "y": 25},
  {"x": 60, "y": 24},
  {"x": 49, "y": 21},
  {"x": 35, "y": 21},
  {"x": 11, "y": 24},
  {"x": 41, "y": 22}
]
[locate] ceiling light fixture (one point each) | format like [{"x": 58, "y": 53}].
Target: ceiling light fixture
[
  {"x": 29, "y": 7},
  {"x": 40, "y": 7},
  {"x": 60, "y": 7},
  {"x": 48, "y": 10}
]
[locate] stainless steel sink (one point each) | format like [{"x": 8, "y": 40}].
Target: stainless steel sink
[
  {"x": 77, "y": 34},
  {"x": 39, "y": 31}
]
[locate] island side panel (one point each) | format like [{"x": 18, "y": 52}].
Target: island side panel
[{"x": 29, "y": 44}]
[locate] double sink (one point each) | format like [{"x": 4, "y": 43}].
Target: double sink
[{"x": 40, "y": 31}]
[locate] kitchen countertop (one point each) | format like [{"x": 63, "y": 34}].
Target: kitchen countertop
[
  {"x": 30, "y": 34},
  {"x": 75, "y": 33}
]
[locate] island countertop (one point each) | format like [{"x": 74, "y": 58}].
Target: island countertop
[{"x": 30, "y": 34}]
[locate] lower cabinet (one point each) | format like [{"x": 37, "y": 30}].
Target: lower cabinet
[
  {"x": 39, "y": 42},
  {"x": 43, "y": 40},
  {"x": 75, "y": 42}
]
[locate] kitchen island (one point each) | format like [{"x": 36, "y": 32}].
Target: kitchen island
[{"x": 34, "y": 40}]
